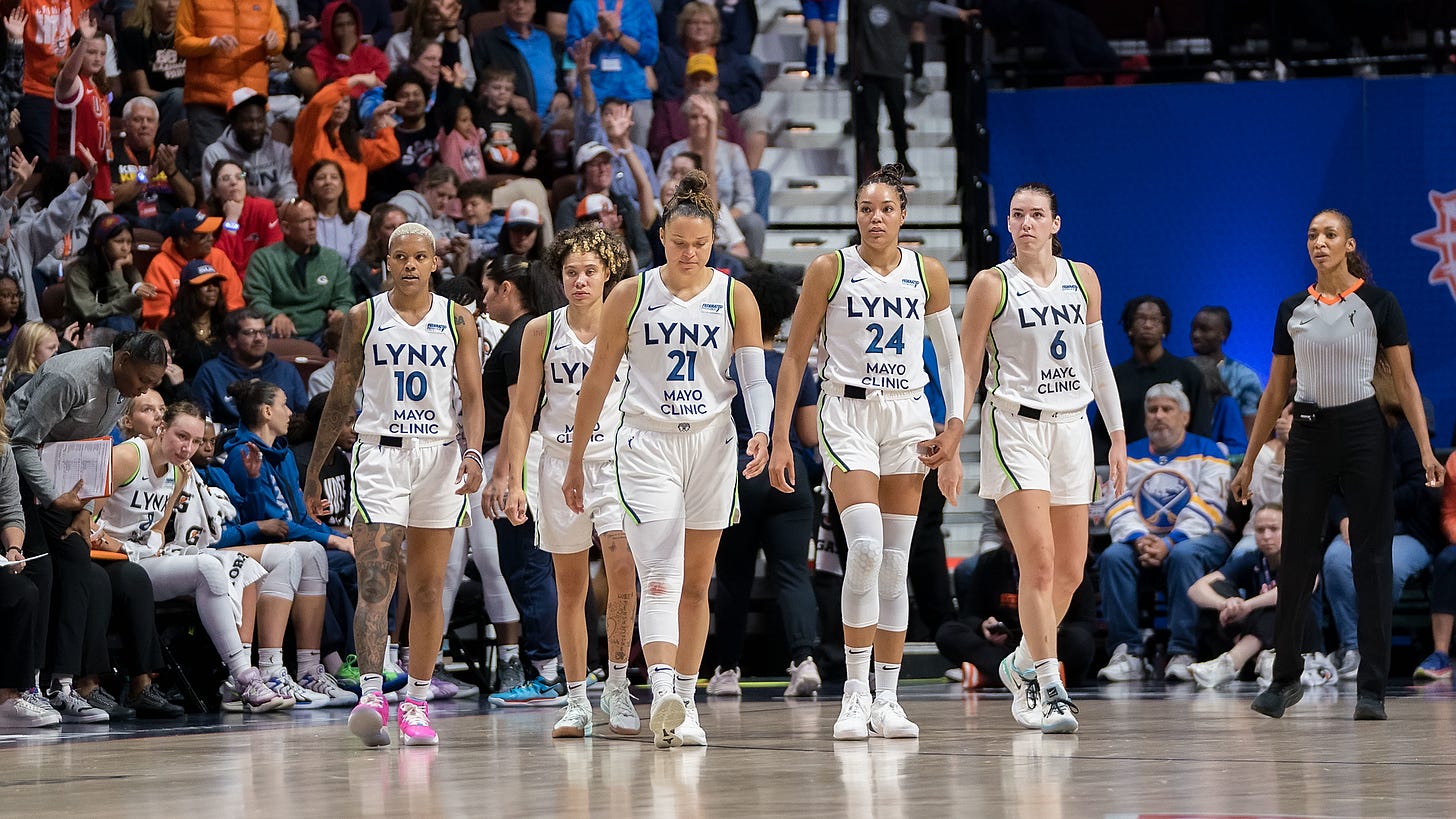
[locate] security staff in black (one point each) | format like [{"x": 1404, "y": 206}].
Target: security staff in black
[{"x": 1329, "y": 336}]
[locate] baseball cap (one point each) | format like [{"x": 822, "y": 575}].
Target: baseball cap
[
  {"x": 702, "y": 64},
  {"x": 198, "y": 272},
  {"x": 590, "y": 151},
  {"x": 191, "y": 220},
  {"x": 593, "y": 204},
  {"x": 523, "y": 212},
  {"x": 246, "y": 95}
]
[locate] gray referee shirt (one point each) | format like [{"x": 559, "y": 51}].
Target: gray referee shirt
[
  {"x": 1334, "y": 340},
  {"x": 71, "y": 397}
]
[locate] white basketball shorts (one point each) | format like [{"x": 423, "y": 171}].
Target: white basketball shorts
[
  {"x": 878, "y": 434},
  {"x": 688, "y": 475},
  {"x": 1054, "y": 456},
  {"x": 412, "y": 485},
  {"x": 563, "y": 531}
]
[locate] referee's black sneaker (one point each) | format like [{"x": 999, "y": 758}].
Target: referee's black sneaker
[
  {"x": 1272, "y": 701},
  {"x": 1369, "y": 708}
]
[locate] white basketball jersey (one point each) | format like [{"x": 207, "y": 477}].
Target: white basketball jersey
[
  {"x": 409, "y": 372},
  {"x": 1036, "y": 344},
  {"x": 135, "y": 504},
  {"x": 565, "y": 360},
  {"x": 678, "y": 352},
  {"x": 874, "y": 327}
]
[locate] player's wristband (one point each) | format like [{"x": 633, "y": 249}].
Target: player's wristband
[{"x": 474, "y": 455}]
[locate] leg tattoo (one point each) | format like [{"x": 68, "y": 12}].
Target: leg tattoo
[{"x": 377, "y": 554}]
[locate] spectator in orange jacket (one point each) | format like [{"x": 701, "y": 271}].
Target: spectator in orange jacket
[
  {"x": 192, "y": 234},
  {"x": 329, "y": 128},
  {"x": 227, "y": 46}
]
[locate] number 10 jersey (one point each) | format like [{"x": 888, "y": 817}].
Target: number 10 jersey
[{"x": 409, "y": 372}]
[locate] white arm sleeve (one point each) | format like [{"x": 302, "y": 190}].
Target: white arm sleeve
[
  {"x": 1104, "y": 385},
  {"x": 940, "y": 329},
  {"x": 758, "y": 399}
]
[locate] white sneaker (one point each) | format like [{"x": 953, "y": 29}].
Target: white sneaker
[
  {"x": 1349, "y": 664},
  {"x": 1025, "y": 693},
  {"x": 854, "y": 716},
  {"x": 73, "y": 708},
  {"x": 284, "y": 685},
  {"x": 1318, "y": 670},
  {"x": 1177, "y": 668},
  {"x": 575, "y": 721},
  {"x": 804, "y": 679},
  {"x": 324, "y": 684},
  {"x": 621, "y": 714},
  {"x": 724, "y": 683},
  {"x": 1058, "y": 714},
  {"x": 667, "y": 714},
  {"x": 27, "y": 712},
  {"x": 1215, "y": 672},
  {"x": 691, "y": 730},
  {"x": 1264, "y": 666},
  {"x": 887, "y": 719},
  {"x": 1123, "y": 667}
]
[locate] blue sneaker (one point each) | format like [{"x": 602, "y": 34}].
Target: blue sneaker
[
  {"x": 1435, "y": 667},
  {"x": 537, "y": 692}
]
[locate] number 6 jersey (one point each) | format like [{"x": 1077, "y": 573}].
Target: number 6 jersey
[
  {"x": 1037, "y": 344},
  {"x": 874, "y": 326},
  {"x": 409, "y": 371}
]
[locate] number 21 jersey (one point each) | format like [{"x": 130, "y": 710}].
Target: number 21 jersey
[
  {"x": 409, "y": 371},
  {"x": 678, "y": 352}
]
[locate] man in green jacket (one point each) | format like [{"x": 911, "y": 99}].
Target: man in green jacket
[{"x": 296, "y": 285}]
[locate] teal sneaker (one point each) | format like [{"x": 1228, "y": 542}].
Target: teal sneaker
[
  {"x": 537, "y": 692},
  {"x": 348, "y": 677}
]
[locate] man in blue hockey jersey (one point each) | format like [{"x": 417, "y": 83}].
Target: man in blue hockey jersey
[{"x": 1167, "y": 524}]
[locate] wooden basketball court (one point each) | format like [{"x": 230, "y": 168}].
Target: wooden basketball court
[{"x": 1143, "y": 750}]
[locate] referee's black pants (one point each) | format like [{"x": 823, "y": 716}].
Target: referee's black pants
[{"x": 1347, "y": 449}]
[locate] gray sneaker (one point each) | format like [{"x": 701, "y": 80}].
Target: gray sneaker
[
  {"x": 621, "y": 715},
  {"x": 510, "y": 674},
  {"x": 26, "y": 711},
  {"x": 101, "y": 698},
  {"x": 804, "y": 679},
  {"x": 73, "y": 708},
  {"x": 1349, "y": 664}
]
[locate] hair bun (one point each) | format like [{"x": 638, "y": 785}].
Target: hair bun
[
  {"x": 693, "y": 183},
  {"x": 892, "y": 174}
]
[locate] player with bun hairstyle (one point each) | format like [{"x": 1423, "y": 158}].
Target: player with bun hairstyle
[
  {"x": 679, "y": 328},
  {"x": 872, "y": 306}
]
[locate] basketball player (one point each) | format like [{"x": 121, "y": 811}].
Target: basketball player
[
  {"x": 679, "y": 328},
  {"x": 873, "y": 305},
  {"x": 407, "y": 347},
  {"x": 1040, "y": 318},
  {"x": 590, "y": 262}
]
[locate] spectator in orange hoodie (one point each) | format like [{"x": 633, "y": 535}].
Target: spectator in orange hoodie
[
  {"x": 331, "y": 118},
  {"x": 191, "y": 237}
]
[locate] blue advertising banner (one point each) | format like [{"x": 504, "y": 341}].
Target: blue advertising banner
[{"x": 1201, "y": 194}]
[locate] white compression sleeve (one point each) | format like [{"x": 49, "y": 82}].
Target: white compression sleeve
[
  {"x": 1104, "y": 384},
  {"x": 940, "y": 328},
  {"x": 758, "y": 399}
]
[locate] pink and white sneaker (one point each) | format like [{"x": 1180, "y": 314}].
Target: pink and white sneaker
[
  {"x": 414, "y": 723},
  {"x": 368, "y": 720}
]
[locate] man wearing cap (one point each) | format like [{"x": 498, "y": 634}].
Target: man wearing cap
[
  {"x": 670, "y": 122},
  {"x": 594, "y": 171},
  {"x": 190, "y": 236},
  {"x": 296, "y": 285},
  {"x": 246, "y": 359},
  {"x": 147, "y": 187},
  {"x": 227, "y": 45},
  {"x": 521, "y": 231},
  {"x": 611, "y": 125},
  {"x": 247, "y": 141}
]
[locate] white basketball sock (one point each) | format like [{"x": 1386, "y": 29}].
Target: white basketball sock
[
  {"x": 617, "y": 672},
  {"x": 509, "y": 651},
  {"x": 417, "y": 690},
  {"x": 1048, "y": 675},
  {"x": 576, "y": 691},
  {"x": 1022, "y": 658},
  {"x": 309, "y": 659},
  {"x": 550, "y": 669},
  {"x": 270, "y": 661},
  {"x": 391, "y": 654},
  {"x": 662, "y": 679},
  {"x": 685, "y": 686},
  {"x": 371, "y": 683},
  {"x": 857, "y": 664},
  {"x": 887, "y": 679}
]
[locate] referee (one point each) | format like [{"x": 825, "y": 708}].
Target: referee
[{"x": 1330, "y": 335}]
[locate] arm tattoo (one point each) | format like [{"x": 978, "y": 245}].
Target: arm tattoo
[
  {"x": 340, "y": 404},
  {"x": 377, "y": 555}
]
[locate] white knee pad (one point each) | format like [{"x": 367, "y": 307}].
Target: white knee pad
[
  {"x": 313, "y": 579},
  {"x": 657, "y": 547},
  {"x": 284, "y": 571},
  {"x": 895, "y": 567},
  {"x": 864, "y": 532},
  {"x": 212, "y": 577}
]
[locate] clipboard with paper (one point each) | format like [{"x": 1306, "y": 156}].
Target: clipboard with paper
[{"x": 87, "y": 460}]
